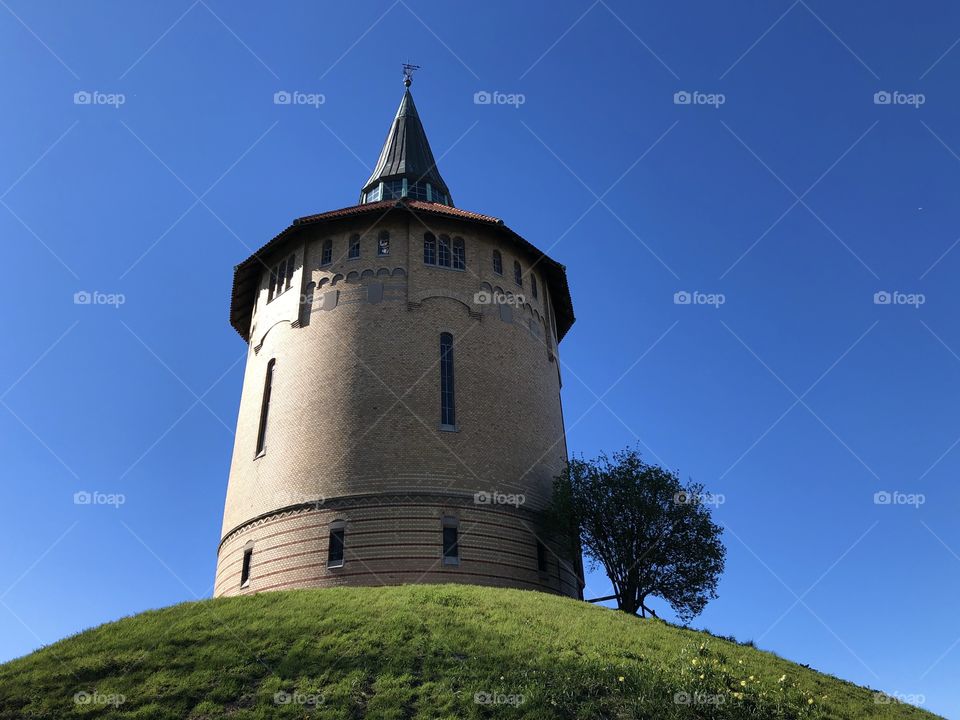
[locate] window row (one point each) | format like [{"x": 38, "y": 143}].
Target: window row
[
  {"x": 353, "y": 248},
  {"x": 336, "y": 545},
  {"x": 281, "y": 276},
  {"x": 401, "y": 187},
  {"x": 444, "y": 252},
  {"x": 517, "y": 273}
]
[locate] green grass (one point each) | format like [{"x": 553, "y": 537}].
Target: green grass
[{"x": 415, "y": 652}]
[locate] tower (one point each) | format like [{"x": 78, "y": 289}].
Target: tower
[{"x": 400, "y": 418}]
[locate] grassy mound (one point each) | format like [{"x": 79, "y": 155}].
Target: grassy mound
[{"x": 415, "y": 652}]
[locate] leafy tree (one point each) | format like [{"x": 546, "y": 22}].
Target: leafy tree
[{"x": 653, "y": 535}]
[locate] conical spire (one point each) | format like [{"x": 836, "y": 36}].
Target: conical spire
[{"x": 406, "y": 167}]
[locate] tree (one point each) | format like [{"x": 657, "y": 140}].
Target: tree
[{"x": 653, "y": 535}]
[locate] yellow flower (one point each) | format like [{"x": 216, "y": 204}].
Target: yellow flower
[
  {"x": 782, "y": 678},
  {"x": 751, "y": 678},
  {"x": 743, "y": 683},
  {"x": 620, "y": 678},
  {"x": 693, "y": 662},
  {"x": 809, "y": 701}
]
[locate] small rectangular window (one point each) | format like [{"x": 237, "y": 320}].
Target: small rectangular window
[
  {"x": 354, "y": 252},
  {"x": 383, "y": 243},
  {"x": 451, "y": 545},
  {"x": 429, "y": 249},
  {"x": 326, "y": 256},
  {"x": 245, "y": 570},
  {"x": 517, "y": 274},
  {"x": 541, "y": 557},
  {"x": 335, "y": 552}
]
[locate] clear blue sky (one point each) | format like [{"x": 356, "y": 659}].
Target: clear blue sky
[{"x": 797, "y": 199}]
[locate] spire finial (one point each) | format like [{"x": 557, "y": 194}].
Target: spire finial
[{"x": 408, "y": 71}]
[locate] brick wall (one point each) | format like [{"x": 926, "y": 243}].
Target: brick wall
[{"x": 354, "y": 418}]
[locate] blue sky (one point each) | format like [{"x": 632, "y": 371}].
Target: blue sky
[{"x": 783, "y": 189}]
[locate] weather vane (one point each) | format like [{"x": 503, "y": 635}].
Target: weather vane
[{"x": 408, "y": 71}]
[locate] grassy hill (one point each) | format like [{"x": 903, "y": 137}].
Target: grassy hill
[{"x": 444, "y": 651}]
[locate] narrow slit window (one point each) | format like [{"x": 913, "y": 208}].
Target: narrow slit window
[
  {"x": 265, "y": 408},
  {"x": 517, "y": 273},
  {"x": 497, "y": 262},
  {"x": 354, "y": 252},
  {"x": 451, "y": 541},
  {"x": 533, "y": 285},
  {"x": 326, "y": 255},
  {"x": 448, "y": 418},
  {"x": 335, "y": 552},
  {"x": 245, "y": 570},
  {"x": 541, "y": 557},
  {"x": 429, "y": 249}
]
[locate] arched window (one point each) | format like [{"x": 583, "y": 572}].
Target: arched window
[
  {"x": 383, "y": 243},
  {"x": 443, "y": 256},
  {"x": 517, "y": 273},
  {"x": 429, "y": 249},
  {"x": 326, "y": 254},
  {"x": 306, "y": 303},
  {"x": 497, "y": 262},
  {"x": 451, "y": 541},
  {"x": 533, "y": 285},
  {"x": 265, "y": 408},
  {"x": 354, "y": 252},
  {"x": 459, "y": 254},
  {"x": 448, "y": 418}
]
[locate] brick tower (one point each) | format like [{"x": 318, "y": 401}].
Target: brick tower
[{"x": 400, "y": 420}]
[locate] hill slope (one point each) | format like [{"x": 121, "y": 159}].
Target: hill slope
[{"x": 445, "y": 651}]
